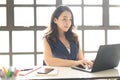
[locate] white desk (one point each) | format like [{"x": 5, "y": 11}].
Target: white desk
[{"x": 69, "y": 73}]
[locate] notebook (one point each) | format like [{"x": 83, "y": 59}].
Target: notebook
[{"x": 107, "y": 57}]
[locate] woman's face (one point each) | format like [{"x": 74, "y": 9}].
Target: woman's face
[{"x": 64, "y": 21}]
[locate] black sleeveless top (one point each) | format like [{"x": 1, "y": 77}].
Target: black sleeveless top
[{"x": 60, "y": 51}]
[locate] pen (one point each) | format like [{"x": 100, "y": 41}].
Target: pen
[
  {"x": 26, "y": 69},
  {"x": 8, "y": 74},
  {"x": 16, "y": 72},
  {"x": 2, "y": 74},
  {"x": 4, "y": 70},
  {"x": 32, "y": 70}
]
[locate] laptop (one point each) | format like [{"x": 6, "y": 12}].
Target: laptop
[{"x": 107, "y": 57}]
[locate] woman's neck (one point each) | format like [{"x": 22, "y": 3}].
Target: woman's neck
[{"x": 61, "y": 34}]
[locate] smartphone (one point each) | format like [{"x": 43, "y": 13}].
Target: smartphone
[{"x": 45, "y": 70}]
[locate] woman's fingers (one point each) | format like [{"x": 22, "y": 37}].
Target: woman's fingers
[{"x": 86, "y": 63}]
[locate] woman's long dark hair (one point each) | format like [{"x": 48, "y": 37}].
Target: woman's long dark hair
[{"x": 52, "y": 35}]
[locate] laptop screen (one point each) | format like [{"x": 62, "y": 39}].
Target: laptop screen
[{"x": 108, "y": 57}]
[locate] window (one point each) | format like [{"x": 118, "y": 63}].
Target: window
[
  {"x": 3, "y": 21},
  {"x": 20, "y": 60},
  {"x": 114, "y": 2},
  {"x": 114, "y": 16},
  {"x": 71, "y": 2},
  {"x": 113, "y": 36},
  {"x": 43, "y": 18},
  {"x": 93, "y": 2},
  {"x": 43, "y": 2},
  {"x": 24, "y": 16},
  {"x": 4, "y": 60},
  {"x": 77, "y": 13},
  {"x": 2, "y": 1},
  {"x": 23, "y": 2},
  {"x": 92, "y": 40},
  {"x": 4, "y": 41},
  {"x": 93, "y": 16},
  {"x": 114, "y": 11},
  {"x": 22, "y": 27},
  {"x": 40, "y": 35},
  {"x": 23, "y": 41}
]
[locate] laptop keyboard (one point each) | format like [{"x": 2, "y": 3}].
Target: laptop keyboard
[
  {"x": 80, "y": 66},
  {"x": 86, "y": 68}
]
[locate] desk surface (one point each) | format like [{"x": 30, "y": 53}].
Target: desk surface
[{"x": 69, "y": 73}]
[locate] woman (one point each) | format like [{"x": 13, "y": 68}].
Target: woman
[{"x": 61, "y": 44}]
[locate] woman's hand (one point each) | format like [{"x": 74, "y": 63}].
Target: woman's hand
[
  {"x": 90, "y": 63},
  {"x": 85, "y": 63}
]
